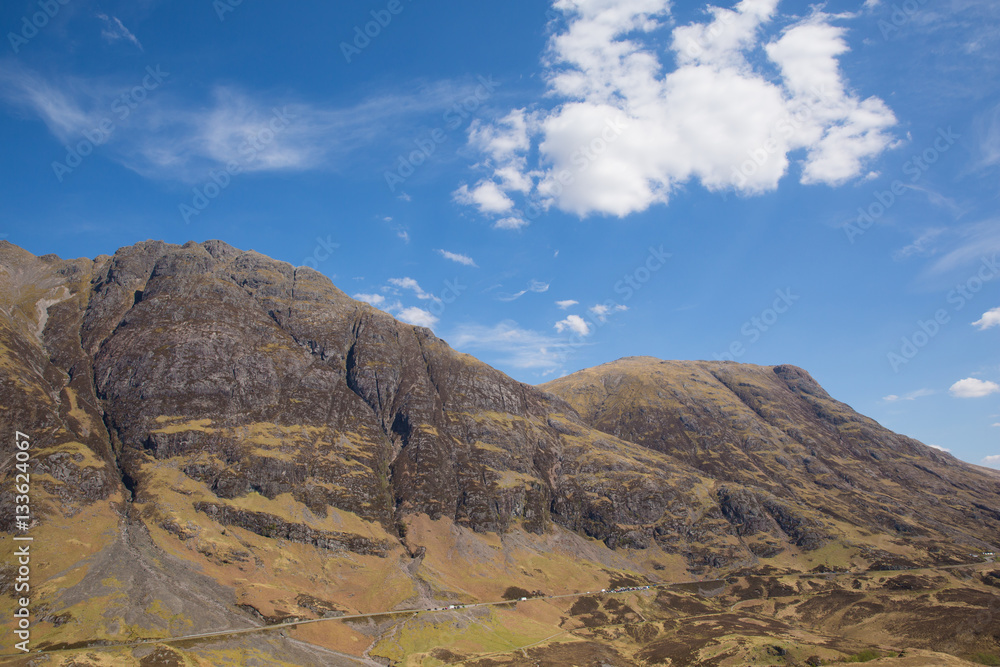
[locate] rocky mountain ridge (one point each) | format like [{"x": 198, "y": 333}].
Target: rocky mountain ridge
[{"x": 251, "y": 423}]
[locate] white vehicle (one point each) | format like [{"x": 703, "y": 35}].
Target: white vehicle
[{"x": 523, "y": 599}]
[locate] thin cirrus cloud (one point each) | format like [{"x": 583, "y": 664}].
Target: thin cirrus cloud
[
  {"x": 412, "y": 285},
  {"x": 465, "y": 260},
  {"x": 912, "y": 396},
  {"x": 113, "y": 30},
  {"x": 508, "y": 344},
  {"x": 973, "y": 388},
  {"x": 165, "y": 136},
  {"x": 536, "y": 286},
  {"x": 624, "y": 135}
]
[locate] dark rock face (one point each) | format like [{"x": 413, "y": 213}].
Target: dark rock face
[{"x": 792, "y": 458}]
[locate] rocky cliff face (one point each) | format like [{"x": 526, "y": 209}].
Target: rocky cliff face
[
  {"x": 778, "y": 443},
  {"x": 251, "y": 422}
]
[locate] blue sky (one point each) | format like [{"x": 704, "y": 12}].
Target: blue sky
[{"x": 554, "y": 185}]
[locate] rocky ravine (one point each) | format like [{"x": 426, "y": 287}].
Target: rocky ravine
[{"x": 252, "y": 424}]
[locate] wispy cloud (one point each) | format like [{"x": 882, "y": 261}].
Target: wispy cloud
[
  {"x": 114, "y": 30},
  {"x": 923, "y": 245},
  {"x": 563, "y": 305},
  {"x": 601, "y": 311},
  {"x": 987, "y": 129},
  {"x": 510, "y": 222},
  {"x": 182, "y": 138},
  {"x": 536, "y": 286},
  {"x": 456, "y": 257},
  {"x": 508, "y": 344},
  {"x": 970, "y": 244},
  {"x": 912, "y": 396},
  {"x": 412, "y": 285}
]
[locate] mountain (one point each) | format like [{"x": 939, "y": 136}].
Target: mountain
[
  {"x": 221, "y": 440},
  {"x": 774, "y": 439}
]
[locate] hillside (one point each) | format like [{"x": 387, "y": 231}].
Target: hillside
[{"x": 221, "y": 440}]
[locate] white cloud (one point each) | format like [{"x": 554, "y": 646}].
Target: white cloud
[
  {"x": 987, "y": 128},
  {"x": 992, "y": 461},
  {"x": 503, "y": 140},
  {"x": 507, "y": 344},
  {"x": 511, "y": 222},
  {"x": 172, "y": 136},
  {"x": 115, "y": 30},
  {"x": 913, "y": 395},
  {"x": 573, "y": 323},
  {"x": 943, "y": 449},
  {"x": 456, "y": 257},
  {"x": 922, "y": 245},
  {"x": 563, "y": 305},
  {"x": 536, "y": 286},
  {"x": 990, "y": 319},
  {"x": 624, "y": 134},
  {"x": 373, "y": 299},
  {"x": 417, "y": 316},
  {"x": 975, "y": 242},
  {"x": 412, "y": 285},
  {"x": 973, "y": 388},
  {"x": 486, "y": 196},
  {"x": 602, "y": 310}
]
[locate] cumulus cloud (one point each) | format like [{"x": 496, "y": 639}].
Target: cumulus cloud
[
  {"x": 563, "y": 305},
  {"x": 417, "y": 316},
  {"x": 625, "y": 132},
  {"x": 456, "y": 257},
  {"x": 602, "y": 310},
  {"x": 575, "y": 324},
  {"x": 990, "y": 319},
  {"x": 991, "y": 461},
  {"x": 973, "y": 388},
  {"x": 373, "y": 299},
  {"x": 486, "y": 196}
]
